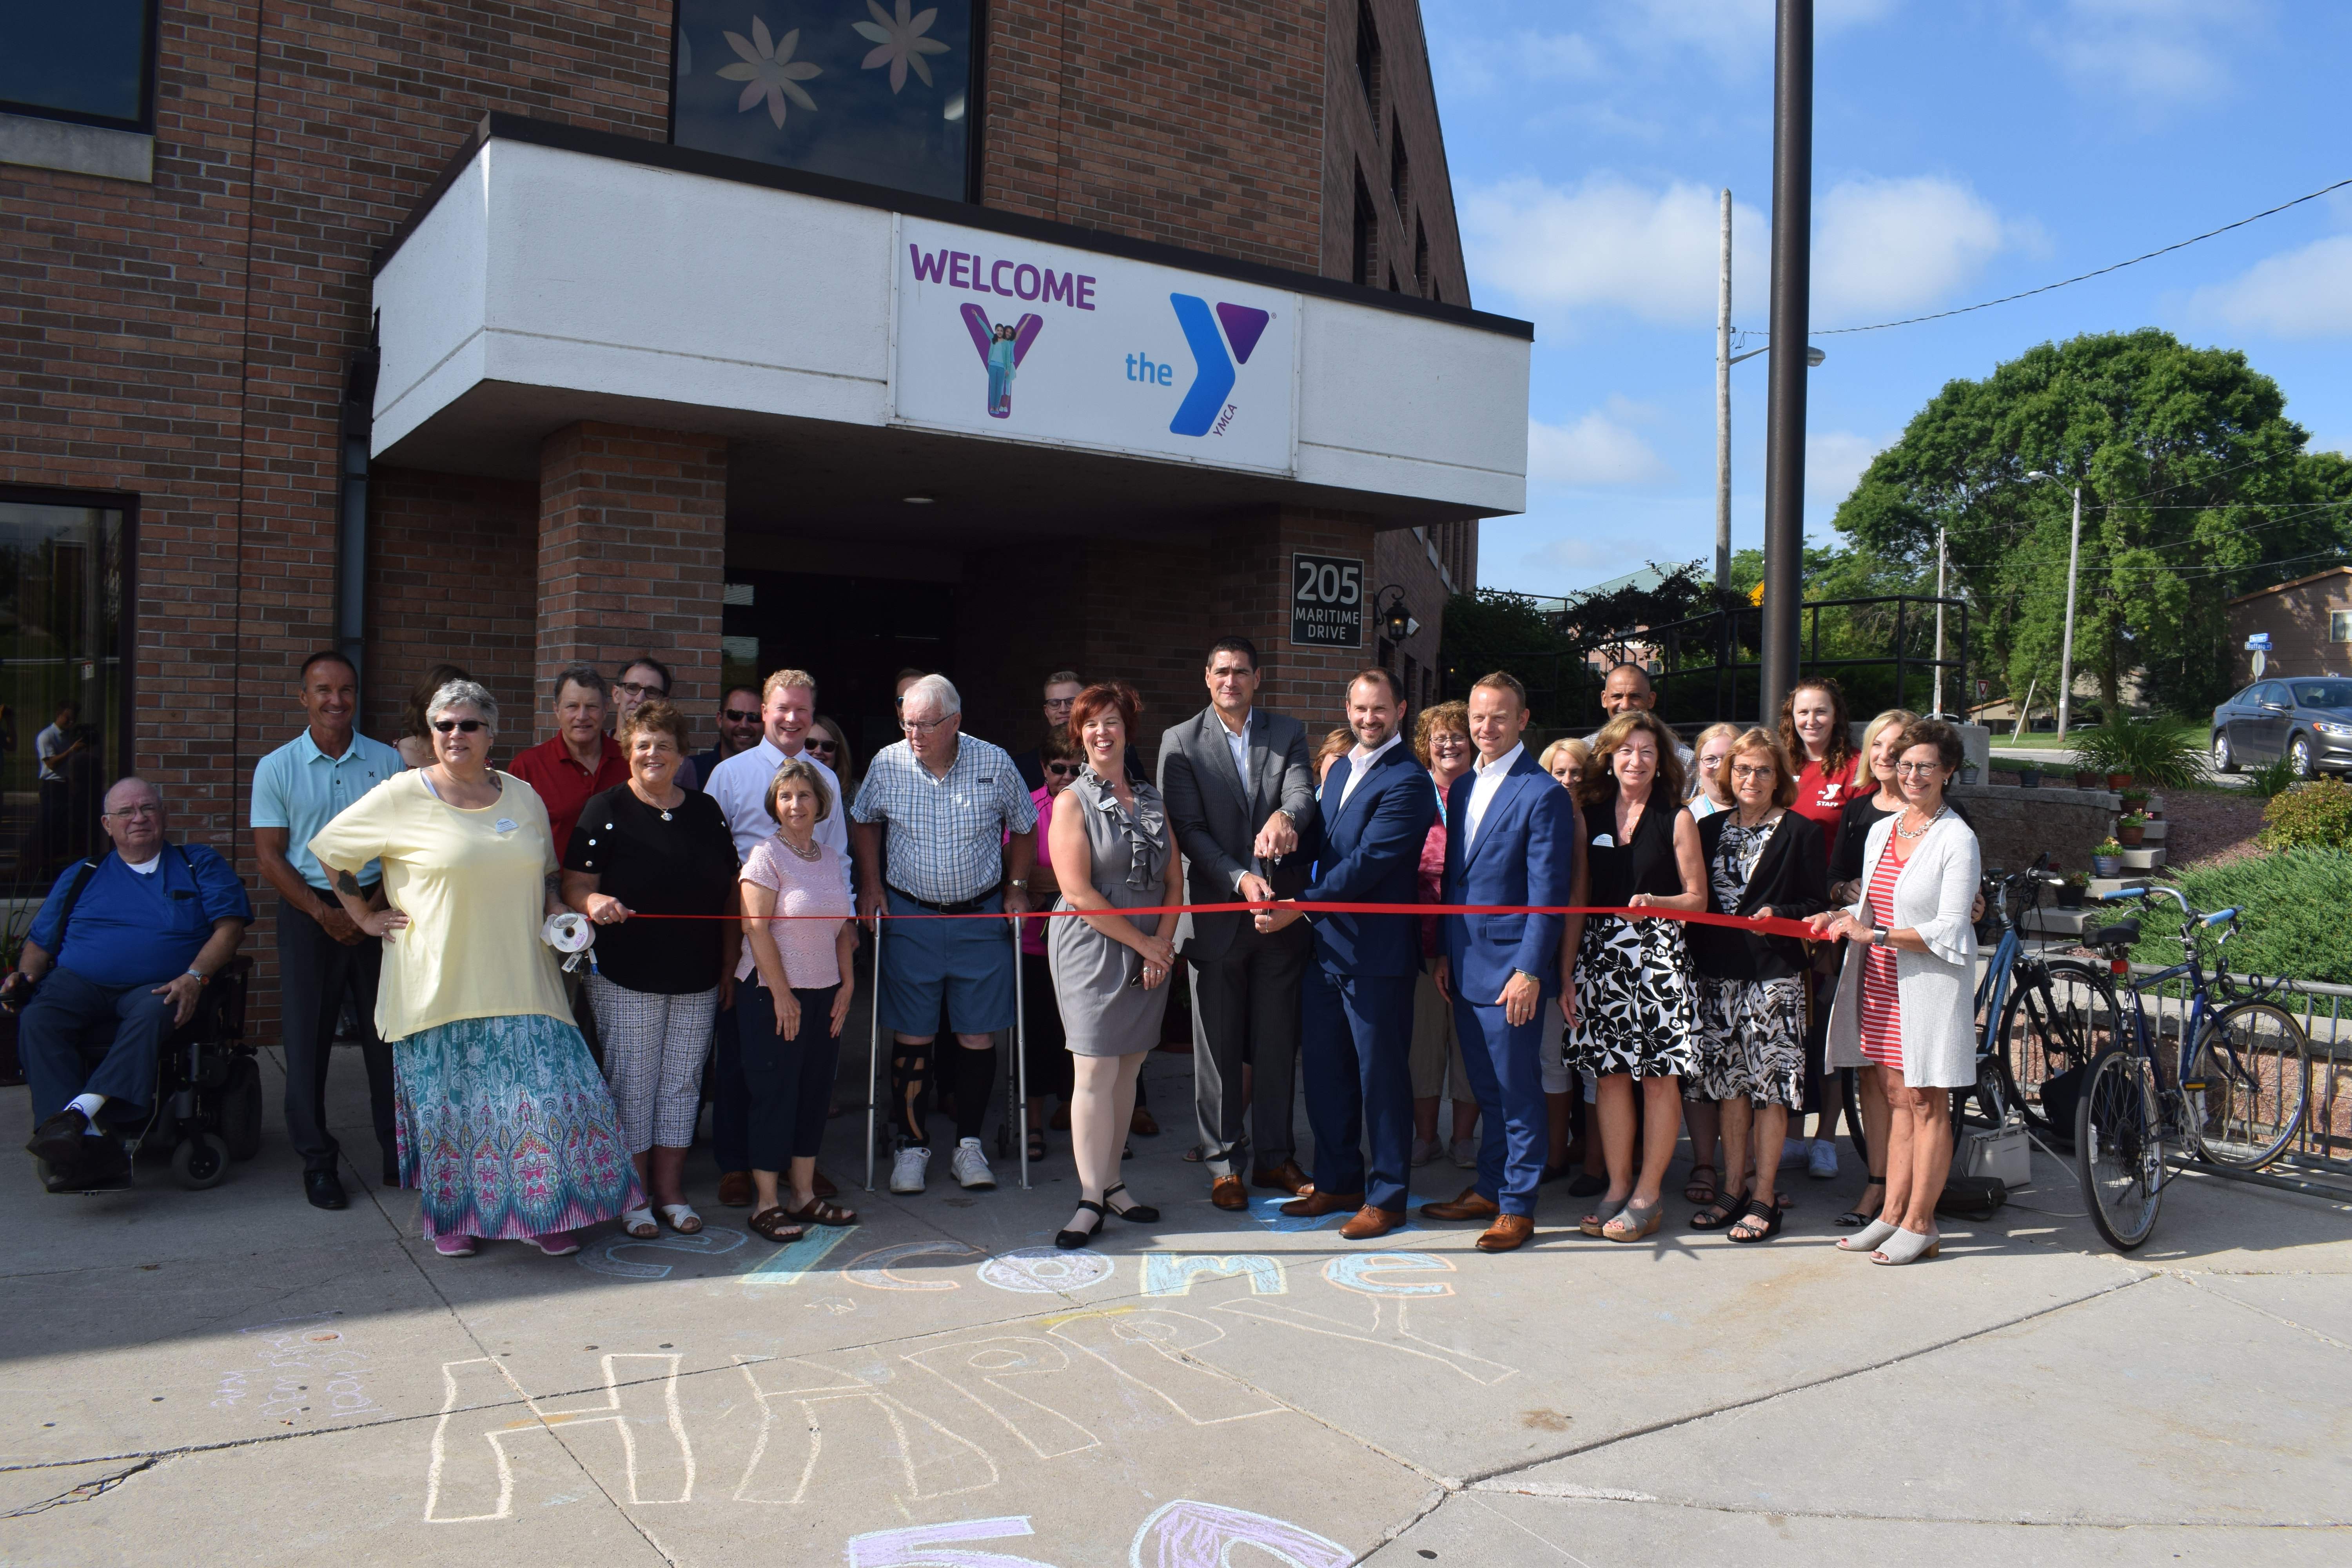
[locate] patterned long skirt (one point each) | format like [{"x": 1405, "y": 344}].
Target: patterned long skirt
[
  {"x": 1636, "y": 1011},
  {"x": 506, "y": 1127},
  {"x": 1751, "y": 1041}
]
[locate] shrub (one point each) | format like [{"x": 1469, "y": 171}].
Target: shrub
[
  {"x": 2272, "y": 779},
  {"x": 2318, "y": 813},
  {"x": 2292, "y": 925},
  {"x": 2155, "y": 752}
]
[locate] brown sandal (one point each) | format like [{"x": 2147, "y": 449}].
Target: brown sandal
[
  {"x": 775, "y": 1225},
  {"x": 820, "y": 1212}
]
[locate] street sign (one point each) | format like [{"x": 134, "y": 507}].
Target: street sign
[
  {"x": 1326, "y": 601},
  {"x": 2259, "y": 643},
  {"x": 1984, "y": 689}
]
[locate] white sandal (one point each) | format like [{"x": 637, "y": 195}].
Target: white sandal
[
  {"x": 639, "y": 1224},
  {"x": 1908, "y": 1247},
  {"x": 1867, "y": 1238},
  {"x": 681, "y": 1218}
]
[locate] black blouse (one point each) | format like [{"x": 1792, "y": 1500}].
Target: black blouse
[
  {"x": 1788, "y": 879},
  {"x": 1645, "y": 864}
]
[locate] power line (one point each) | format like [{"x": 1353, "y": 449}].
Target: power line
[{"x": 2083, "y": 277}]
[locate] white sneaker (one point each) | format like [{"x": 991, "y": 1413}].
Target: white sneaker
[
  {"x": 1423, "y": 1150},
  {"x": 907, "y": 1168},
  {"x": 1465, "y": 1153},
  {"x": 969, "y": 1166},
  {"x": 1795, "y": 1152},
  {"x": 1823, "y": 1164}
]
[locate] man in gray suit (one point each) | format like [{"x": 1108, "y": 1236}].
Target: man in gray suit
[{"x": 1241, "y": 799}]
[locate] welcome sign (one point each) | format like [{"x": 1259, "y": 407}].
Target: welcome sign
[{"x": 1038, "y": 342}]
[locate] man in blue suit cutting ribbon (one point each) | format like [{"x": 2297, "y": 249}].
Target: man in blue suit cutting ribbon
[
  {"x": 1511, "y": 841},
  {"x": 1356, "y": 1016}
]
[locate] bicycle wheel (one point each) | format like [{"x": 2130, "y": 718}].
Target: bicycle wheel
[
  {"x": 2119, "y": 1147},
  {"x": 1853, "y": 1076},
  {"x": 2055, "y": 1021},
  {"x": 2249, "y": 1078}
]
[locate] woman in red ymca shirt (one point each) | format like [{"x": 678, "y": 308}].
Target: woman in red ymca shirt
[{"x": 1814, "y": 727}]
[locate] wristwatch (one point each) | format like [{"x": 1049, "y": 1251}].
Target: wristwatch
[
  {"x": 1878, "y": 938},
  {"x": 1020, "y": 882}
]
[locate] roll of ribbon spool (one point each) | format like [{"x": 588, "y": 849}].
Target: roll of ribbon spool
[{"x": 569, "y": 933}]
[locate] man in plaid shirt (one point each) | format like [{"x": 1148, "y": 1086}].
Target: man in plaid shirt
[{"x": 962, "y": 834}]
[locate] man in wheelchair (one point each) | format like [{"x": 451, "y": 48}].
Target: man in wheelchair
[{"x": 131, "y": 937}]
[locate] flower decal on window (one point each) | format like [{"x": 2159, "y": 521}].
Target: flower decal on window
[
  {"x": 768, "y": 70},
  {"x": 900, "y": 42}
]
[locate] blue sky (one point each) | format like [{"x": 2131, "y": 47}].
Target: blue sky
[{"x": 1963, "y": 149}]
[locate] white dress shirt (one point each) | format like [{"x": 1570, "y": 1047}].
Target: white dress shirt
[
  {"x": 1359, "y": 760},
  {"x": 1486, "y": 779},
  {"x": 1238, "y": 744},
  {"x": 740, "y": 786}
]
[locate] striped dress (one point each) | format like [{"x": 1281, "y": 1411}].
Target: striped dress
[{"x": 1882, "y": 1009}]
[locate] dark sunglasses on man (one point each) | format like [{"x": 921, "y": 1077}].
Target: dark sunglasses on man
[
  {"x": 640, "y": 692},
  {"x": 739, "y": 716}
]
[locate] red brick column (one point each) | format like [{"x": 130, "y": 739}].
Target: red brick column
[
  {"x": 632, "y": 556},
  {"x": 1249, "y": 560}
]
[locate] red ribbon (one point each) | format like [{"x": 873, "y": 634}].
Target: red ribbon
[{"x": 1775, "y": 926}]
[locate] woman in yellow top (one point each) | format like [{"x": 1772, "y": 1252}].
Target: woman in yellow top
[{"x": 504, "y": 1122}]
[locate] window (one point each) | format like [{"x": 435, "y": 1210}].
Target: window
[
  {"x": 2323, "y": 693},
  {"x": 1368, "y": 235},
  {"x": 835, "y": 88},
  {"x": 1400, "y": 169},
  {"x": 1367, "y": 58},
  {"x": 91, "y": 61},
  {"x": 2339, "y": 625},
  {"x": 1420, "y": 258},
  {"x": 62, "y": 639}
]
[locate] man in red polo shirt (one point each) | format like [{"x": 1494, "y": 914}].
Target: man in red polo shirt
[{"x": 580, "y": 761}]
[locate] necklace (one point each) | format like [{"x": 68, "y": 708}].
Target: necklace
[
  {"x": 1921, "y": 832},
  {"x": 814, "y": 851}
]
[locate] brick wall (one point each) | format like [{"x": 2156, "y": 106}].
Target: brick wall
[
  {"x": 2297, "y": 618},
  {"x": 631, "y": 551},
  {"x": 1359, "y": 140},
  {"x": 1196, "y": 124},
  {"x": 453, "y": 574}
]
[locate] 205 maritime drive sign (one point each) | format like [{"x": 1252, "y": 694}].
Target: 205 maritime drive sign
[{"x": 1003, "y": 337}]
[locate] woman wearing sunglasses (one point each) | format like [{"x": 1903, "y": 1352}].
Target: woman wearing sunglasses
[
  {"x": 828, "y": 742},
  {"x": 505, "y": 1125}
]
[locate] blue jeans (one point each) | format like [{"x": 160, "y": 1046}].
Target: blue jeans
[{"x": 50, "y": 1036}]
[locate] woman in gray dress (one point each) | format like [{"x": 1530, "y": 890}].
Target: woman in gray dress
[{"x": 1111, "y": 851}]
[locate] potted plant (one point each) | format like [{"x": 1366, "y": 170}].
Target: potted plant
[
  {"x": 2088, "y": 778},
  {"x": 2119, "y": 781},
  {"x": 2029, "y": 777},
  {"x": 1968, "y": 773},
  {"x": 2136, "y": 802},
  {"x": 2130, "y": 828},
  {"x": 2071, "y": 890},
  {"x": 2106, "y": 858}
]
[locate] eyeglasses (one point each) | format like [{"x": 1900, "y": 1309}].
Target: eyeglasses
[
  {"x": 820, "y": 745},
  {"x": 1766, "y": 772},
  {"x": 144, "y": 808},
  {"x": 737, "y": 716},
  {"x": 640, "y": 693},
  {"x": 469, "y": 725},
  {"x": 1063, "y": 702},
  {"x": 1918, "y": 770},
  {"x": 924, "y": 726},
  {"x": 1442, "y": 740},
  {"x": 1066, "y": 770}
]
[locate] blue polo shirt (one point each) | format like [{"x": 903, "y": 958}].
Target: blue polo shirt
[
  {"x": 141, "y": 929},
  {"x": 302, "y": 789}
]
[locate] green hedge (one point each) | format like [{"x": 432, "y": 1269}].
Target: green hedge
[
  {"x": 2294, "y": 924},
  {"x": 2318, "y": 813}
]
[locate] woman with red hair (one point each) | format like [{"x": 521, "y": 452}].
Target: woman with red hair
[{"x": 1112, "y": 851}]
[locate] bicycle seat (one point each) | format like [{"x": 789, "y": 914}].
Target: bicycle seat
[{"x": 2117, "y": 934}]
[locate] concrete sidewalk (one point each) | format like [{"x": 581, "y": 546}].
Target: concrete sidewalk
[{"x": 232, "y": 1375}]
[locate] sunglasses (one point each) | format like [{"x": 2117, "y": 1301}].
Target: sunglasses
[
  {"x": 822, "y": 745},
  {"x": 737, "y": 716},
  {"x": 469, "y": 725},
  {"x": 1066, "y": 770}
]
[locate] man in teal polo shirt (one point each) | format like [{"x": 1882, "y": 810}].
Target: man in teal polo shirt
[{"x": 322, "y": 955}]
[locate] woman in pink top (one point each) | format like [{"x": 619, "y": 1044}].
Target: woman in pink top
[{"x": 790, "y": 1026}]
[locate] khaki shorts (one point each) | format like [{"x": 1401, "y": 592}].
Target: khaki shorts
[{"x": 1436, "y": 1050}]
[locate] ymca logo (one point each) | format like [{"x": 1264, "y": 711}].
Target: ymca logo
[
  {"x": 1204, "y": 407},
  {"x": 1001, "y": 349}
]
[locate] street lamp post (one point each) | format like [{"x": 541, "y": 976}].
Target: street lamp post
[
  {"x": 2066, "y": 639},
  {"x": 1939, "y": 626},
  {"x": 1723, "y": 408}
]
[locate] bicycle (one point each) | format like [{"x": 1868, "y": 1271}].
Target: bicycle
[
  {"x": 2041, "y": 1018},
  {"x": 2236, "y": 1096}
]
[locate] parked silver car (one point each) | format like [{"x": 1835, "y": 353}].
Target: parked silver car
[{"x": 2306, "y": 720}]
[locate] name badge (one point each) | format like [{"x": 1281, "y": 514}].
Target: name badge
[
  {"x": 1604, "y": 841},
  {"x": 503, "y": 825}
]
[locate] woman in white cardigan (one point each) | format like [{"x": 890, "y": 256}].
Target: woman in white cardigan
[{"x": 1908, "y": 1009}]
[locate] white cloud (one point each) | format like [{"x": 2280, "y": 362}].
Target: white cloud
[
  {"x": 2305, "y": 293},
  {"x": 1595, "y": 450},
  {"x": 1577, "y": 562},
  {"x": 1606, "y": 243},
  {"x": 2155, "y": 55},
  {"x": 1893, "y": 245},
  {"x": 1834, "y": 460}
]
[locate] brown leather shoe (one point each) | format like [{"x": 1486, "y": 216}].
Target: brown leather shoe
[
  {"x": 1285, "y": 1177},
  {"x": 1370, "y": 1222},
  {"x": 735, "y": 1189},
  {"x": 1471, "y": 1204},
  {"x": 822, "y": 1185},
  {"x": 1226, "y": 1193},
  {"x": 1509, "y": 1232},
  {"x": 1315, "y": 1204}
]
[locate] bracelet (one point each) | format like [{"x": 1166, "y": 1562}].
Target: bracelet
[{"x": 199, "y": 976}]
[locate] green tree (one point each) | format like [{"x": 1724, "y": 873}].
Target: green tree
[{"x": 2196, "y": 488}]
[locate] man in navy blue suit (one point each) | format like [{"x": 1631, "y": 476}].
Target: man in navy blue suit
[
  {"x": 1510, "y": 839},
  {"x": 1356, "y": 1016}
]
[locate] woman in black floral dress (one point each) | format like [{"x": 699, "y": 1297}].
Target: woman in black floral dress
[{"x": 1636, "y": 1016}]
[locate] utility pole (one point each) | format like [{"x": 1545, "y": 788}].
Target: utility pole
[
  {"x": 2067, "y": 645},
  {"x": 1939, "y": 626},
  {"x": 1784, "y": 436},
  {"x": 1723, "y": 409}
]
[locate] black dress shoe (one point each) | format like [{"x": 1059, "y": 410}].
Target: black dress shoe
[
  {"x": 324, "y": 1191},
  {"x": 58, "y": 1139}
]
